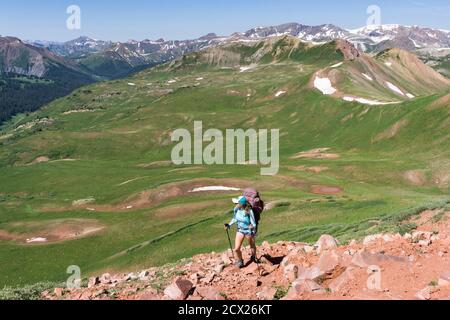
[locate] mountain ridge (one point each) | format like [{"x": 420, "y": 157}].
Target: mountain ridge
[
  {"x": 21, "y": 58},
  {"x": 325, "y": 32},
  {"x": 384, "y": 76},
  {"x": 31, "y": 77},
  {"x": 372, "y": 39}
]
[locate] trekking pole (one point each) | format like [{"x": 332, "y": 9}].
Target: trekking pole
[{"x": 231, "y": 246}]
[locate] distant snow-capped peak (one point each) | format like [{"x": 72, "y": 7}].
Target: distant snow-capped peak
[{"x": 371, "y": 38}]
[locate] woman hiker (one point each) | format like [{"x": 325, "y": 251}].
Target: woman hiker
[{"x": 246, "y": 228}]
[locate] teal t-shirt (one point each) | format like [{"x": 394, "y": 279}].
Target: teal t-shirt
[{"x": 244, "y": 220}]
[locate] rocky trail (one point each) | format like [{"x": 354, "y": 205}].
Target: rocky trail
[{"x": 414, "y": 266}]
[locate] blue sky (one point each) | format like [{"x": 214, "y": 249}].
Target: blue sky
[{"x": 182, "y": 19}]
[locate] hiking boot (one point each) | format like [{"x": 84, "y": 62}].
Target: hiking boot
[{"x": 240, "y": 264}]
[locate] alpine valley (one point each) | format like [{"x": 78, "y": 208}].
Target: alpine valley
[
  {"x": 34, "y": 73},
  {"x": 87, "y": 179}
]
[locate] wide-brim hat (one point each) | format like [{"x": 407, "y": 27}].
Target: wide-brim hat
[{"x": 238, "y": 200}]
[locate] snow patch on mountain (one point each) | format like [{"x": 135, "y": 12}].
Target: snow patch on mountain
[
  {"x": 37, "y": 240},
  {"x": 247, "y": 68},
  {"x": 337, "y": 65},
  {"x": 394, "y": 88},
  {"x": 367, "y": 101},
  {"x": 214, "y": 188},
  {"x": 367, "y": 77},
  {"x": 324, "y": 85}
]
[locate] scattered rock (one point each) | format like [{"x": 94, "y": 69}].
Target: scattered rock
[
  {"x": 435, "y": 238},
  {"x": 424, "y": 243},
  {"x": 46, "y": 294},
  {"x": 372, "y": 238},
  {"x": 328, "y": 267},
  {"x": 421, "y": 235},
  {"x": 58, "y": 292},
  {"x": 265, "y": 260},
  {"x": 93, "y": 281},
  {"x": 130, "y": 277},
  {"x": 209, "y": 293},
  {"x": 105, "y": 278},
  {"x": 350, "y": 252},
  {"x": 194, "y": 278},
  {"x": 267, "y": 293},
  {"x": 425, "y": 294},
  {"x": 388, "y": 238},
  {"x": 144, "y": 275},
  {"x": 266, "y": 245},
  {"x": 179, "y": 289},
  {"x": 329, "y": 261},
  {"x": 263, "y": 272},
  {"x": 335, "y": 273},
  {"x": 99, "y": 293},
  {"x": 226, "y": 260},
  {"x": 301, "y": 286},
  {"x": 444, "y": 280},
  {"x": 291, "y": 272},
  {"x": 252, "y": 268},
  {"x": 149, "y": 295},
  {"x": 85, "y": 296},
  {"x": 208, "y": 278},
  {"x": 219, "y": 268},
  {"x": 270, "y": 268},
  {"x": 337, "y": 284},
  {"x": 365, "y": 259},
  {"x": 326, "y": 242},
  {"x": 116, "y": 279}
]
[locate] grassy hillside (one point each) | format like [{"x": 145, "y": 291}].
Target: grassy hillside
[
  {"x": 31, "y": 77},
  {"x": 109, "y": 65},
  {"x": 441, "y": 64},
  {"x": 21, "y": 94},
  {"x": 91, "y": 172}
]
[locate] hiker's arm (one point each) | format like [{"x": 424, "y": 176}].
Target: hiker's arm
[
  {"x": 252, "y": 219},
  {"x": 233, "y": 222}
]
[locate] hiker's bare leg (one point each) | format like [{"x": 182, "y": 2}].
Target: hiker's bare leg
[
  {"x": 252, "y": 243},
  {"x": 238, "y": 244}
]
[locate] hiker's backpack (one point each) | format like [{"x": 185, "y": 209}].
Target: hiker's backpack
[{"x": 254, "y": 198}]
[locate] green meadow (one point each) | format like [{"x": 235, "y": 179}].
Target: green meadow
[{"x": 110, "y": 143}]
